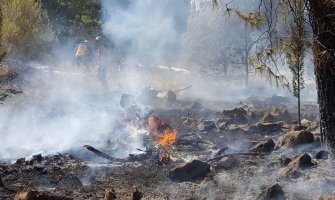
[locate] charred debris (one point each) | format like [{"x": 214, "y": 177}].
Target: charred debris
[{"x": 189, "y": 147}]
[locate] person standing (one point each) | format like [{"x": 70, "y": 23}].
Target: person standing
[
  {"x": 81, "y": 54},
  {"x": 100, "y": 62}
]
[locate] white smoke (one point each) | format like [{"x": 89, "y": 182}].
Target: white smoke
[{"x": 145, "y": 31}]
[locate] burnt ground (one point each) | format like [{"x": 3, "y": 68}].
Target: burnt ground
[
  {"x": 219, "y": 133},
  {"x": 203, "y": 134}
]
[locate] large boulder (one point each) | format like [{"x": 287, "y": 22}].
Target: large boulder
[
  {"x": 322, "y": 155},
  {"x": 301, "y": 162},
  {"x": 295, "y": 138},
  {"x": 195, "y": 170},
  {"x": 274, "y": 192},
  {"x": 277, "y": 115},
  {"x": 264, "y": 146}
]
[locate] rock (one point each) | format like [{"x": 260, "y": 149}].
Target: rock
[
  {"x": 277, "y": 115},
  {"x": 137, "y": 195},
  {"x": 239, "y": 115},
  {"x": 309, "y": 126},
  {"x": 297, "y": 127},
  {"x": 274, "y": 192},
  {"x": 38, "y": 158},
  {"x": 20, "y": 161},
  {"x": 264, "y": 147},
  {"x": 265, "y": 128},
  {"x": 285, "y": 162},
  {"x": 226, "y": 163},
  {"x": 110, "y": 195},
  {"x": 295, "y": 138},
  {"x": 301, "y": 162},
  {"x": 304, "y": 161},
  {"x": 290, "y": 172},
  {"x": 221, "y": 123},
  {"x": 196, "y": 170},
  {"x": 29, "y": 194},
  {"x": 281, "y": 162},
  {"x": 322, "y": 155},
  {"x": 206, "y": 126},
  {"x": 242, "y": 128}
]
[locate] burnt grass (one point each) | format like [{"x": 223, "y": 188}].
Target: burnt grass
[{"x": 72, "y": 176}]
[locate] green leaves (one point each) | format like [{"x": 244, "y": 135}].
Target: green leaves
[
  {"x": 74, "y": 18},
  {"x": 21, "y": 24}
]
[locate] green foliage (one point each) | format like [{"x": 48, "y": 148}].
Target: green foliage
[
  {"x": 21, "y": 26},
  {"x": 73, "y": 18},
  {"x": 2, "y": 54},
  {"x": 283, "y": 39},
  {"x": 295, "y": 47}
]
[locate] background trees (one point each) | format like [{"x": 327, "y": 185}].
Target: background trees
[
  {"x": 321, "y": 16},
  {"x": 23, "y": 21},
  {"x": 73, "y": 18},
  {"x": 216, "y": 44}
]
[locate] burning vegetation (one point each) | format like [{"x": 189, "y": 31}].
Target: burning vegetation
[{"x": 164, "y": 135}]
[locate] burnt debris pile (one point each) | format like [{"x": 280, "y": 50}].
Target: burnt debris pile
[{"x": 183, "y": 151}]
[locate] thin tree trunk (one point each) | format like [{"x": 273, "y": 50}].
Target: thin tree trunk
[
  {"x": 299, "y": 89},
  {"x": 246, "y": 56},
  {"x": 322, "y": 16}
]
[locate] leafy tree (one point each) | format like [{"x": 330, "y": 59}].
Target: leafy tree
[
  {"x": 2, "y": 54},
  {"x": 295, "y": 49},
  {"x": 321, "y": 14},
  {"x": 215, "y": 44},
  {"x": 74, "y": 18},
  {"x": 21, "y": 28}
]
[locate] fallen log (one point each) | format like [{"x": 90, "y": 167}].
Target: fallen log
[{"x": 102, "y": 154}]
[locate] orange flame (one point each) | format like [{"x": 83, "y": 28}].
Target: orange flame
[
  {"x": 168, "y": 137},
  {"x": 164, "y": 135}
]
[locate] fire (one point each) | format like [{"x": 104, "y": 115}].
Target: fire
[
  {"x": 168, "y": 137},
  {"x": 164, "y": 135}
]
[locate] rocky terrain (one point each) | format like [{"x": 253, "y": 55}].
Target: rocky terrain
[{"x": 254, "y": 151}]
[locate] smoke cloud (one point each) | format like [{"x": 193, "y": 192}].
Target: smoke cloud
[{"x": 145, "y": 31}]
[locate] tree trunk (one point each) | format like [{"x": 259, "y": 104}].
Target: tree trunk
[
  {"x": 322, "y": 14},
  {"x": 246, "y": 61}
]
